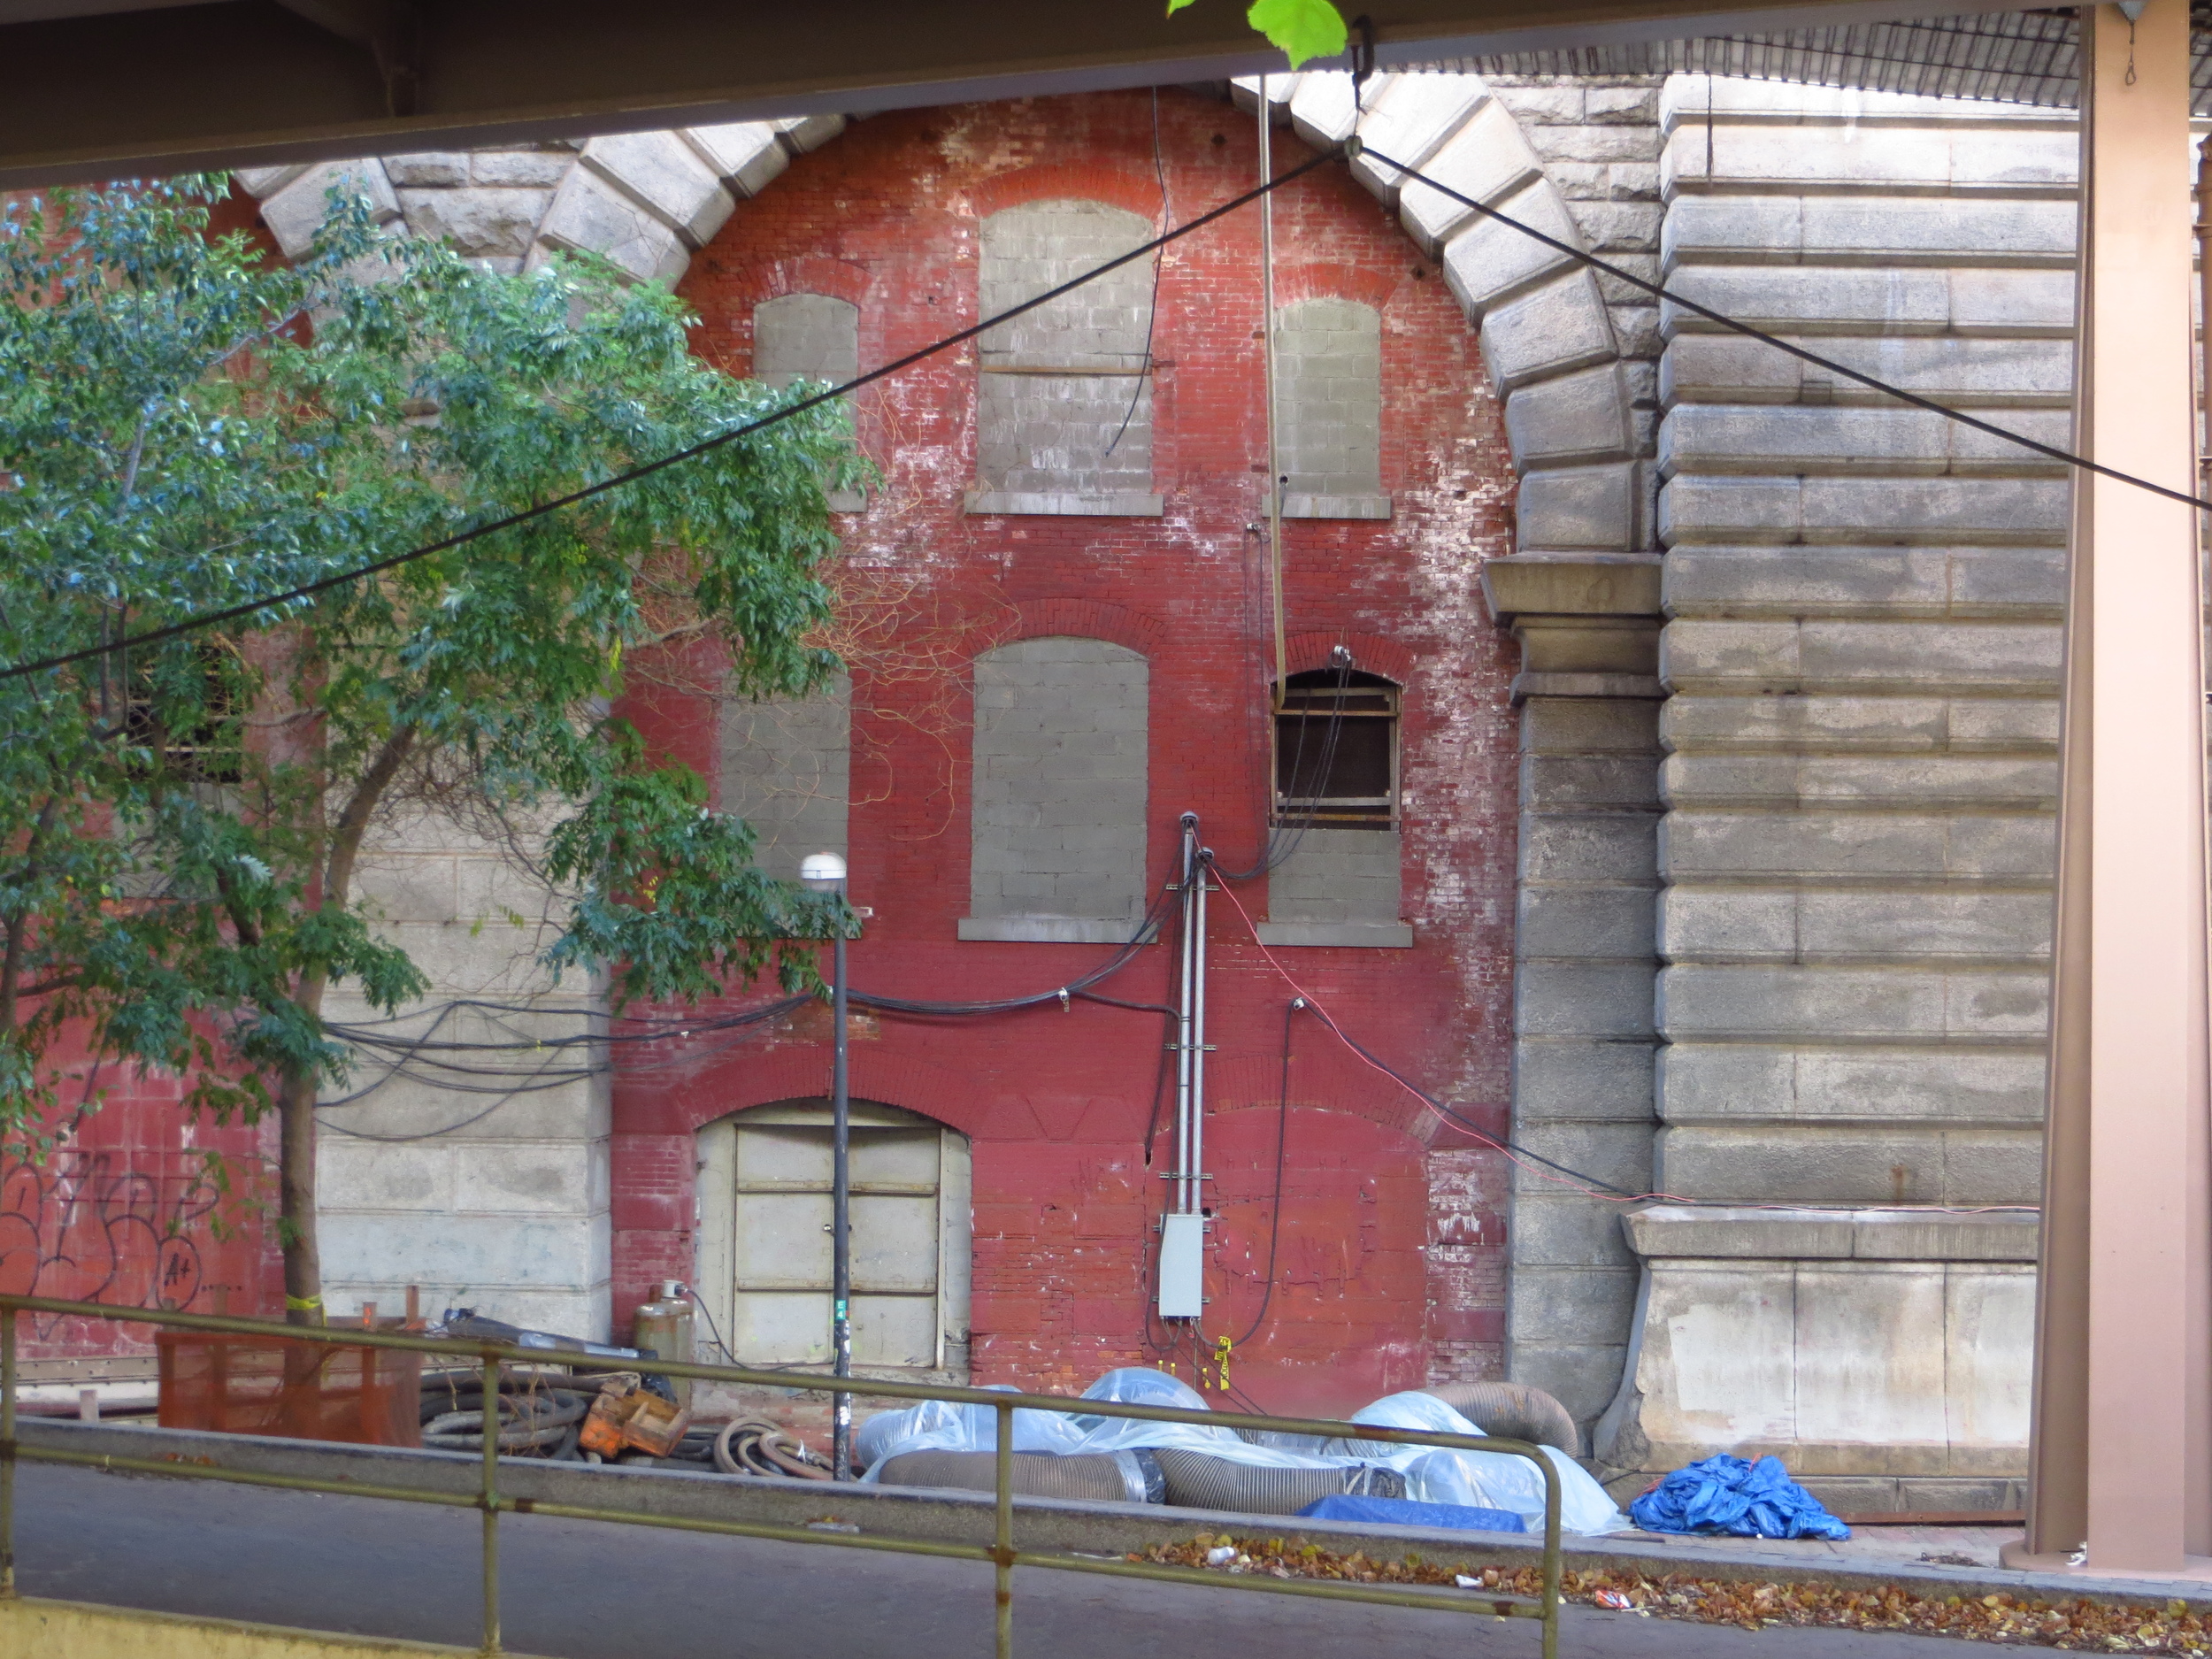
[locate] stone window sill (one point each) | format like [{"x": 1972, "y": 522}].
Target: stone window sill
[
  {"x": 1339, "y": 935},
  {"x": 1052, "y": 930},
  {"x": 1336, "y": 506},
  {"x": 1118, "y": 504}
]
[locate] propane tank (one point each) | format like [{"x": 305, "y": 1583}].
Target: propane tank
[{"x": 664, "y": 1325}]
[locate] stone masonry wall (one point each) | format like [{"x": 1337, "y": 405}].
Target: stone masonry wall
[{"x": 1863, "y": 646}]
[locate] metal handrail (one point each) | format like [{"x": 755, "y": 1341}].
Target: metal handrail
[{"x": 493, "y": 1357}]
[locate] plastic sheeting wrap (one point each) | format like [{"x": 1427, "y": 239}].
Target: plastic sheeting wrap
[
  {"x": 1481, "y": 1480},
  {"x": 1486, "y": 1480}
]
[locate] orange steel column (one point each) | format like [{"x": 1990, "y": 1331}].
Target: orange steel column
[{"x": 2120, "y": 1457}]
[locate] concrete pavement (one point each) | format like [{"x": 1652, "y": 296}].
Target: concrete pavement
[{"x": 581, "y": 1590}]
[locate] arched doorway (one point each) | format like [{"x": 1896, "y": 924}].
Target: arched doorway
[{"x": 764, "y": 1238}]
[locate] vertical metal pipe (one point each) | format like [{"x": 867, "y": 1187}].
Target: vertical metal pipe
[
  {"x": 1267, "y": 354},
  {"x": 841, "y": 1216},
  {"x": 1552, "y": 1498},
  {"x": 1203, "y": 867},
  {"x": 7, "y": 1451},
  {"x": 491, "y": 1503},
  {"x": 2204, "y": 303},
  {"x": 1183, "y": 1203},
  {"x": 1003, "y": 1542}
]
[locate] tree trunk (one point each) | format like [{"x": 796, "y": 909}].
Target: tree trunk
[{"x": 295, "y": 1181}]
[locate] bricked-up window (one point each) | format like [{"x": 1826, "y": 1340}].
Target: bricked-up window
[
  {"x": 809, "y": 337},
  {"x": 1328, "y": 369},
  {"x": 1064, "y": 400},
  {"x": 1057, "y": 852},
  {"x": 1336, "y": 880},
  {"x": 786, "y": 769},
  {"x": 1336, "y": 750}
]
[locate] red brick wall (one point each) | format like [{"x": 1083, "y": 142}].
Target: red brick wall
[{"x": 1389, "y": 1262}]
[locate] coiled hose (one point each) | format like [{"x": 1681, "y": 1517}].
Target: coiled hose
[
  {"x": 762, "y": 1449},
  {"x": 1513, "y": 1411},
  {"x": 534, "y": 1420}
]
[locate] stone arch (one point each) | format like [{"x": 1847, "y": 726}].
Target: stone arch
[{"x": 647, "y": 201}]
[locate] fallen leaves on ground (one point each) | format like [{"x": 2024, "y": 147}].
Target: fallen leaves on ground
[{"x": 2078, "y": 1625}]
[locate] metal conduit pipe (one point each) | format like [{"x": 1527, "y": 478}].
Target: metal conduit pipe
[
  {"x": 1512, "y": 1412},
  {"x": 1202, "y": 868},
  {"x": 1183, "y": 1183}
]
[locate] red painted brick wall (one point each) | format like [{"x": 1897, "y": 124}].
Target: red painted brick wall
[{"x": 1388, "y": 1267}]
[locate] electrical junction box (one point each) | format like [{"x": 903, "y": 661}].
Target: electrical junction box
[{"x": 1182, "y": 1266}]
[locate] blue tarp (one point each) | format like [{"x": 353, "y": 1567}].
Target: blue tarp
[
  {"x": 1726, "y": 1494},
  {"x": 1341, "y": 1506}
]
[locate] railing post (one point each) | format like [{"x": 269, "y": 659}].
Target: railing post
[
  {"x": 1003, "y": 1551},
  {"x": 1553, "y": 1501},
  {"x": 491, "y": 1503},
  {"x": 7, "y": 1449}
]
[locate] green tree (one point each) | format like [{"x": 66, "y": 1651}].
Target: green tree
[{"x": 185, "y": 426}]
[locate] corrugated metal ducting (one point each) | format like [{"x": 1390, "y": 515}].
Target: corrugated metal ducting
[{"x": 2009, "y": 56}]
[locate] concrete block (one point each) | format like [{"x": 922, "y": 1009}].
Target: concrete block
[
  {"x": 1553, "y": 329},
  {"x": 566, "y": 1180},
  {"x": 1574, "y": 999},
  {"x": 1573, "y": 509},
  {"x": 1588, "y": 725},
  {"x": 1571, "y": 418},
  {"x": 666, "y": 177},
  {"x": 1567, "y": 1231},
  {"x": 1585, "y": 922},
  {"x": 1701, "y": 1082},
  {"x": 1588, "y": 847},
  {"x": 1488, "y": 261},
  {"x": 588, "y": 215},
  {"x": 1582, "y": 1080},
  {"x": 744, "y": 155},
  {"x": 1409, "y": 119},
  {"x": 296, "y": 212}
]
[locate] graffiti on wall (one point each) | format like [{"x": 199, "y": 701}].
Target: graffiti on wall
[{"x": 86, "y": 1226}]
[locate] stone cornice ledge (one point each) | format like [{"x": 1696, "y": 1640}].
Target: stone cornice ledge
[
  {"x": 1859, "y": 1235},
  {"x": 1588, "y": 624}
]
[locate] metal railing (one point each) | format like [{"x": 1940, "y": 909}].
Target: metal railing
[{"x": 1001, "y": 1552}]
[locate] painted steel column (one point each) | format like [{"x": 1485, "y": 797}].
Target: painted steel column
[{"x": 2122, "y": 1450}]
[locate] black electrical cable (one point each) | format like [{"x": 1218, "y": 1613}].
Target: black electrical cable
[
  {"x": 307, "y": 590},
  {"x": 1152, "y": 311},
  {"x": 1274, "y": 851},
  {"x": 1354, "y": 148},
  {"x": 1282, "y": 1137}
]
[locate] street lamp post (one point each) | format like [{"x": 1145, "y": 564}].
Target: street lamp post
[{"x": 825, "y": 872}]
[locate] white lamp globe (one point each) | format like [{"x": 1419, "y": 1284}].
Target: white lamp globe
[{"x": 825, "y": 872}]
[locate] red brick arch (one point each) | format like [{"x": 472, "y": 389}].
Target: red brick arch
[
  {"x": 1371, "y": 654},
  {"x": 1320, "y": 281},
  {"x": 1125, "y": 187}
]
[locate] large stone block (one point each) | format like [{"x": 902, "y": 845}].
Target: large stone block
[
  {"x": 1587, "y": 847},
  {"x": 1409, "y": 118},
  {"x": 1783, "y": 298},
  {"x": 1325, "y": 110},
  {"x": 1578, "y": 508},
  {"x": 1589, "y": 726},
  {"x": 1763, "y": 439},
  {"x": 1486, "y": 158},
  {"x": 1844, "y": 510},
  {"x": 744, "y": 155},
  {"x": 1552, "y": 783},
  {"x": 1582, "y": 1377},
  {"x": 1567, "y": 1230},
  {"x": 1570, "y": 419},
  {"x": 1855, "y": 924},
  {"x": 1808, "y": 724},
  {"x": 589, "y": 215},
  {"x": 1721, "y": 924},
  {"x": 296, "y": 212},
  {"x": 1489, "y": 261},
  {"x": 1701, "y": 1082},
  {"x": 1832, "y": 1004},
  {"x": 1559, "y": 327},
  {"x": 1592, "y": 922},
  {"x": 1902, "y": 158},
  {"x": 487, "y": 224},
  {"x": 366, "y": 1175},
  {"x": 1705, "y": 580},
  {"x": 475, "y": 1251},
  {"x": 1577, "y": 1305},
  {"x": 1845, "y": 1163},
  {"x": 1582, "y": 1080},
  {"x": 1921, "y": 782},
  {"x": 1577, "y": 999},
  {"x": 1987, "y": 369},
  {"x": 567, "y": 1179},
  {"x": 1885, "y": 230},
  {"x": 666, "y": 176}
]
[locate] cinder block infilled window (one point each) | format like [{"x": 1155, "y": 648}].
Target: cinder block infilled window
[
  {"x": 1328, "y": 404},
  {"x": 1064, "y": 400},
  {"x": 1059, "y": 792},
  {"x": 809, "y": 337},
  {"x": 786, "y": 769},
  {"x": 1336, "y": 881}
]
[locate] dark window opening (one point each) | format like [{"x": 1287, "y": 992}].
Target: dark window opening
[
  {"x": 192, "y": 723},
  {"x": 1336, "y": 750}
]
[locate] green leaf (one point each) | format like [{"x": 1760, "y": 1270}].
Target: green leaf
[
  {"x": 1302, "y": 29},
  {"x": 1173, "y": 6}
]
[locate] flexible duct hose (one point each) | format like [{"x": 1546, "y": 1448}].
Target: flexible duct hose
[
  {"x": 1196, "y": 1481},
  {"x": 1115, "y": 1477},
  {"x": 526, "y": 1422},
  {"x": 1513, "y": 1411},
  {"x": 762, "y": 1449}
]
